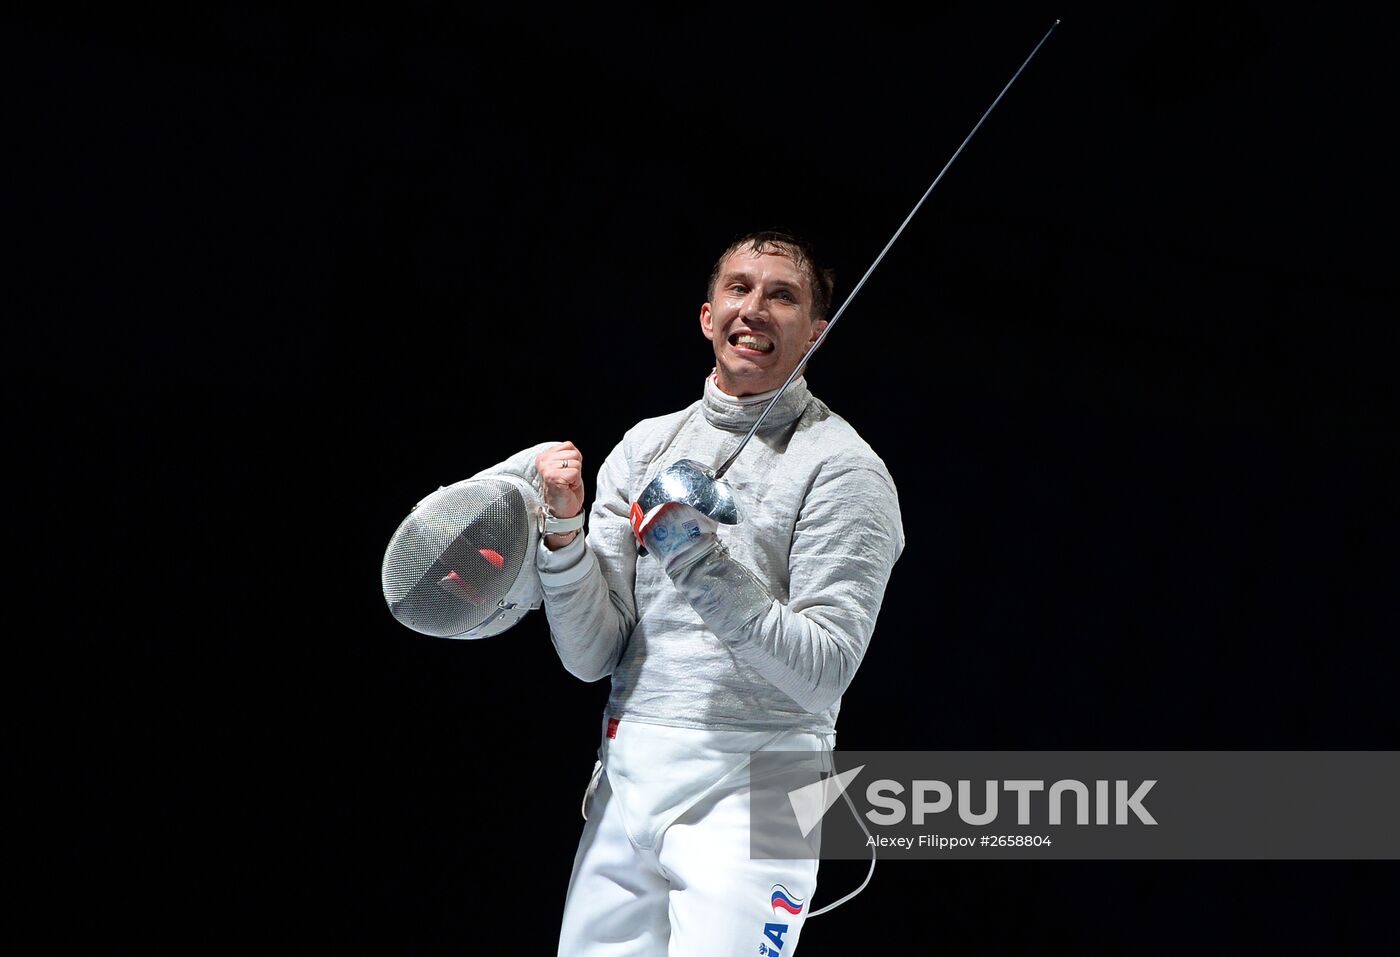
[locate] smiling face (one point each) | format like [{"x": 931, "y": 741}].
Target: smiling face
[{"x": 759, "y": 320}]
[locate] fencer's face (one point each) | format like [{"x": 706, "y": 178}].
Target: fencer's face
[{"x": 759, "y": 321}]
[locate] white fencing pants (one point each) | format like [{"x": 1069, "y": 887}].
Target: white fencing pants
[{"x": 663, "y": 865}]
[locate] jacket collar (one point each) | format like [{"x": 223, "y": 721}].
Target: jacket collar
[{"x": 735, "y": 414}]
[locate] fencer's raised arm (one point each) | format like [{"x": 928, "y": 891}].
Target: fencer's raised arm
[
  {"x": 589, "y": 597},
  {"x": 560, "y": 468},
  {"x": 847, "y": 538}
]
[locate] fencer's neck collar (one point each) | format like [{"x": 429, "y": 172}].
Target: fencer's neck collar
[{"x": 738, "y": 414}]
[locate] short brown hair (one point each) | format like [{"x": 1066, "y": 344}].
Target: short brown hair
[{"x": 821, "y": 279}]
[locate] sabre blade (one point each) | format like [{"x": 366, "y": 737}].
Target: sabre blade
[{"x": 802, "y": 364}]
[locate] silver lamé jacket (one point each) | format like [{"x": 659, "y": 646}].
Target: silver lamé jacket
[{"x": 767, "y": 629}]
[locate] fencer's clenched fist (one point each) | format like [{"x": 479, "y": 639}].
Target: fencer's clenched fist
[{"x": 561, "y": 472}]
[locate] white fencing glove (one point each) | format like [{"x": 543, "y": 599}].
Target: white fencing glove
[{"x": 678, "y": 535}]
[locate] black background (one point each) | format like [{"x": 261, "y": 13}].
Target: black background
[{"x": 281, "y": 274}]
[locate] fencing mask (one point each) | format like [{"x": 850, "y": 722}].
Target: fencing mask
[{"x": 462, "y": 564}]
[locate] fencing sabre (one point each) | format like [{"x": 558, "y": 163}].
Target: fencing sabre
[
  {"x": 705, "y": 478},
  {"x": 691, "y": 483}
]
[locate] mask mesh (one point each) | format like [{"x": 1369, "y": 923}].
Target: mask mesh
[{"x": 456, "y": 556}]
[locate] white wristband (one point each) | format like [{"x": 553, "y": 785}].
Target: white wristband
[{"x": 560, "y": 526}]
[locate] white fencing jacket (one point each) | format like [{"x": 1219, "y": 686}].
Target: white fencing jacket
[{"x": 766, "y": 629}]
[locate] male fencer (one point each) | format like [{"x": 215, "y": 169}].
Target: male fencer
[{"x": 741, "y": 638}]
